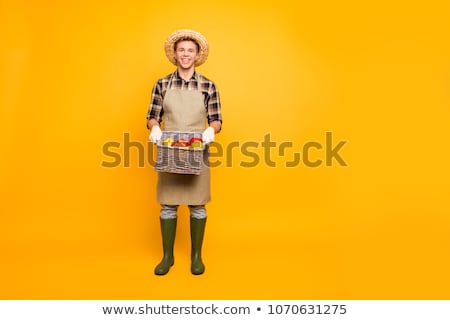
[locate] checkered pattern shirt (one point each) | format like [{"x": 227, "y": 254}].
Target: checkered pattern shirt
[{"x": 206, "y": 86}]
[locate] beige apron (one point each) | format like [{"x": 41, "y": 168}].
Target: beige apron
[{"x": 184, "y": 110}]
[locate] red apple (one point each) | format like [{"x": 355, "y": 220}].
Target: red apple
[{"x": 195, "y": 139}]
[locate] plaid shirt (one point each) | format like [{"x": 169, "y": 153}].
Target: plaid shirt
[{"x": 206, "y": 86}]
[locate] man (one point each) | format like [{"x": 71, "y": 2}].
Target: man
[{"x": 186, "y": 101}]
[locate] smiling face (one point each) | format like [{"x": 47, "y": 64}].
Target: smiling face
[{"x": 186, "y": 54}]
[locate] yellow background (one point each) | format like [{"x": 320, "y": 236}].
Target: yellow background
[{"x": 77, "y": 74}]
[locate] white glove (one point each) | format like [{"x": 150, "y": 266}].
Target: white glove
[
  {"x": 155, "y": 134},
  {"x": 208, "y": 135}
]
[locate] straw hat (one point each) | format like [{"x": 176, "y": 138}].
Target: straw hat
[{"x": 187, "y": 34}]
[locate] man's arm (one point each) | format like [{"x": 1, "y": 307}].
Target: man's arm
[
  {"x": 152, "y": 122},
  {"x": 155, "y": 110},
  {"x": 216, "y": 125},
  {"x": 213, "y": 109}
]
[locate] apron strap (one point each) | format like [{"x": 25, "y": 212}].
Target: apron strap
[{"x": 198, "y": 82}]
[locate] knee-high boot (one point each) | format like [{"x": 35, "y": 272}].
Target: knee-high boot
[
  {"x": 197, "y": 232},
  {"x": 168, "y": 230}
]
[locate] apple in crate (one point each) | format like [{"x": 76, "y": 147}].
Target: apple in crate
[
  {"x": 168, "y": 141},
  {"x": 196, "y": 143}
]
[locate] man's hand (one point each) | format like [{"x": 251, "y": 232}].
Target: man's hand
[{"x": 155, "y": 134}]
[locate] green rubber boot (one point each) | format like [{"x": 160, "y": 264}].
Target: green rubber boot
[
  {"x": 197, "y": 232},
  {"x": 168, "y": 228}
]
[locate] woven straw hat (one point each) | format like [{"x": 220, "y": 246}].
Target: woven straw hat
[{"x": 187, "y": 34}]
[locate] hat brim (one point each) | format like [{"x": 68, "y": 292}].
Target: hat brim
[{"x": 187, "y": 35}]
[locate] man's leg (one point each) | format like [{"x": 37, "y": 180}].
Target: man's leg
[
  {"x": 168, "y": 221},
  {"x": 198, "y": 222}
]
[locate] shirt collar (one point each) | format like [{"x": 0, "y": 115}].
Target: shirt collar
[{"x": 194, "y": 75}]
